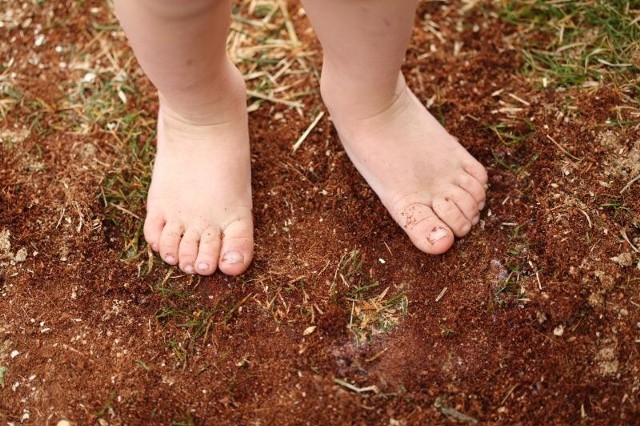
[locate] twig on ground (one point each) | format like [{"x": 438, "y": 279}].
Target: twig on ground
[
  {"x": 372, "y": 388},
  {"x": 262, "y": 96},
  {"x": 587, "y": 216},
  {"x": 563, "y": 149},
  {"x": 307, "y": 132},
  {"x": 122, "y": 209},
  {"x": 631, "y": 182},
  {"x": 626, "y": 238},
  {"x": 441, "y": 295},
  {"x": 376, "y": 356}
]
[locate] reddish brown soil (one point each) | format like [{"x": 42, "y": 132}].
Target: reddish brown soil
[{"x": 558, "y": 346}]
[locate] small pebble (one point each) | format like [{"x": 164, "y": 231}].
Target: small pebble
[
  {"x": 89, "y": 77},
  {"x": 21, "y": 255},
  {"x": 39, "y": 41}
]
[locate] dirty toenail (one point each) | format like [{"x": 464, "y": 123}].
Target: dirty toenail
[
  {"x": 437, "y": 234},
  {"x": 203, "y": 266},
  {"x": 481, "y": 205},
  {"x": 232, "y": 257},
  {"x": 170, "y": 259},
  {"x": 188, "y": 269}
]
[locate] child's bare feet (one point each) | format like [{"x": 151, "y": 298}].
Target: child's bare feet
[
  {"x": 199, "y": 203},
  {"x": 429, "y": 183}
]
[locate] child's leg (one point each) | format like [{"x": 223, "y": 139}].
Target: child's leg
[
  {"x": 429, "y": 183},
  {"x": 199, "y": 203}
]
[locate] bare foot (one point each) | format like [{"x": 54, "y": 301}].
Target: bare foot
[
  {"x": 199, "y": 203},
  {"x": 433, "y": 188}
]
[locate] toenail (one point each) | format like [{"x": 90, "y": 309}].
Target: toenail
[
  {"x": 232, "y": 257},
  {"x": 203, "y": 266},
  {"x": 437, "y": 234},
  {"x": 481, "y": 205},
  {"x": 170, "y": 259},
  {"x": 188, "y": 269}
]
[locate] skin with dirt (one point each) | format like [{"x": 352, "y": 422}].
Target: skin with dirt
[{"x": 532, "y": 318}]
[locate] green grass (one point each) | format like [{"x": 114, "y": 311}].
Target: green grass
[
  {"x": 3, "y": 371},
  {"x": 515, "y": 273},
  {"x": 190, "y": 325},
  {"x": 103, "y": 101},
  {"x": 510, "y": 135},
  {"x": 187, "y": 319},
  {"x": 9, "y": 97},
  {"x": 373, "y": 309},
  {"x": 125, "y": 185},
  {"x": 187, "y": 420},
  {"x": 570, "y": 43},
  {"x": 108, "y": 405}
]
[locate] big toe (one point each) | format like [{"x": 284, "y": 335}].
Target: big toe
[
  {"x": 237, "y": 247},
  {"x": 426, "y": 230},
  {"x": 153, "y": 226}
]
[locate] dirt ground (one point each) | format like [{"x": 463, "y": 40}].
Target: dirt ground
[{"x": 531, "y": 319}]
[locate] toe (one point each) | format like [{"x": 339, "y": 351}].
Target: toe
[
  {"x": 466, "y": 203},
  {"x": 477, "y": 170},
  {"x": 153, "y": 226},
  {"x": 237, "y": 247},
  {"x": 170, "y": 242},
  {"x": 208, "y": 251},
  {"x": 473, "y": 187},
  {"x": 449, "y": 212},
  {"x": 188, "y": 250},
  {"x": 426, "y": 230}
]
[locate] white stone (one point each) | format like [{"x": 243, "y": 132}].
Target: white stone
[{"x": 21, "y": 255}]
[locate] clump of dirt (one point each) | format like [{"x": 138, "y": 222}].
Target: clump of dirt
[{"x": 624, "y": 155}]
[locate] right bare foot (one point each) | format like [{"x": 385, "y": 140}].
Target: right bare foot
[{"x": 199, "y": 203}]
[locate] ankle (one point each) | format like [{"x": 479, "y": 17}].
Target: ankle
[
  {"x": 348, "y": 96},
  {"x": 220, "y": 100}
]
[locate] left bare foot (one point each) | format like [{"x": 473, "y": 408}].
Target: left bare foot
[{"x": 433, "y": 188}]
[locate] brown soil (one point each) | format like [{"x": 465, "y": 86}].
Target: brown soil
[{"x": 539, "y": 321}]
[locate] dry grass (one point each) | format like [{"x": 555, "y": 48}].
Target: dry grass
[
  {"x": 372, "y": 312},
  {"x": 264, "y": 45}
]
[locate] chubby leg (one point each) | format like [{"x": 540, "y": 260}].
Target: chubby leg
[
  {"x": 429, "y": 183},
  {"x": 199, "y": 203}
]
